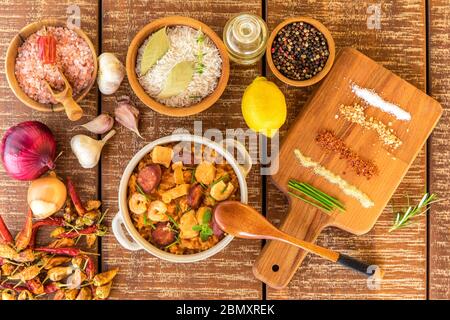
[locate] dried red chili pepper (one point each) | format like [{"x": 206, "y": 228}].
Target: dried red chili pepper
[
  {"x": 63, "y": 251},
  {"x": 5, "y": 235},
  {"x": 90, "y": 266},
  {"x": 53, "y": 221},
  {"x": 47, "y": 49},
  {"x": 77, "y": 233},
  {"x": 24, "y": 237},
  {"x": 59, "y": 295},
  {"x": 51, "y": 287},
  {"x": 35, "y": 286},
  {"x": 12, "y": 287},
  {"x": 32, "y": 242},
  {"x": 75, "y": 198}
]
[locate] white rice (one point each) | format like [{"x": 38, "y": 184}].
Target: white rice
[{"x": 183, "y": 47}]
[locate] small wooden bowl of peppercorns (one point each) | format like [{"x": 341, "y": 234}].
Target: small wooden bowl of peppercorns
[{"x": 300, "y": 51}]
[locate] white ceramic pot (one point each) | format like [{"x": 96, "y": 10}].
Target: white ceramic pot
[{"x": 137, "y": 242}]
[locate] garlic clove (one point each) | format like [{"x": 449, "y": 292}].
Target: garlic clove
[
  {"x": 127, "y": 115},
  {"x": 88, "y": 150},
  {"x": 110, "y": 73},
  {"x": 100, "y": 124}
]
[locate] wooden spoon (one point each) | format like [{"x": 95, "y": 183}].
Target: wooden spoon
[
  {"x": 242, "y": 221},
  {"x": 73, "y": 110}
]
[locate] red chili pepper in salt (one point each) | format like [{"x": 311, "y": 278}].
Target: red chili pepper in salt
[
  {"x": 24, "y": 236},
  {"x": 5, "y": 235},
  {"x": 47, "y": 49},
  {"x": 75, "y": 198},
  {"x": 74, "y": 234},
  {"x": 62, "y": 251}
]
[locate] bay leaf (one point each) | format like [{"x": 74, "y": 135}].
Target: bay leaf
[
  {"x": 178, "y": 79},
  {"x": 156, "y": 47}
]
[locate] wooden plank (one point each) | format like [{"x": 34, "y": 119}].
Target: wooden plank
[
  {"x": 227, "y": 275},
  {"x": 13, "y": 17},
  {"x": 402, "y": 253},
  {"x": 439, "y": 216}
]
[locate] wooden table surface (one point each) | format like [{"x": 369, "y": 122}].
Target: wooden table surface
[{"x": 412, "y": 41}]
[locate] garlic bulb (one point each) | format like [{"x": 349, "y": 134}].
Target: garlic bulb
[
  {"x": 110, "y": 73},
  {"x": 46, "y": 196},
  {"x": 88, "y": 150}
]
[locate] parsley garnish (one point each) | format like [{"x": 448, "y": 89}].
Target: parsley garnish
[{"x": 204, "y": 228}]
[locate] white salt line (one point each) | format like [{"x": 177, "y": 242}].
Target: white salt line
[{"x": 372, "y": 98}]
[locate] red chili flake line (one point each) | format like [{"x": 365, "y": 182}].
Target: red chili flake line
[{"x": 327, "y": 140}]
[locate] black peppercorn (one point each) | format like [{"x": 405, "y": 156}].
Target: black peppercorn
[{"x": 299, "y": 51}]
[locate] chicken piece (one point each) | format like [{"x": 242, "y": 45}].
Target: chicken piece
[
  {"x": 178, "y": 191},
  {"x": 162, "y": 155},
  {"x": 200, "y": 215},
  {"x": 178, "y": 176},
  {"x": 205, "y": 172},
  {"x": 187, "y": 222},
  {"x": 221, "y": 191}
]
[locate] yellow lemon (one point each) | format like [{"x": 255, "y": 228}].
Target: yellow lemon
[{"x": 264, "y": 107}]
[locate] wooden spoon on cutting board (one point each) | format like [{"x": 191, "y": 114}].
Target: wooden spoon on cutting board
[{"x": 242, "y": 221}]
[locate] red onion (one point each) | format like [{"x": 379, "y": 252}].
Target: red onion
[{"x": 28, "y": 150}]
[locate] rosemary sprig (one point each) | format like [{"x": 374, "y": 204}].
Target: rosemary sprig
[
  {"x": 314, "y": 196},
  {"x": 403, "y": 217}
]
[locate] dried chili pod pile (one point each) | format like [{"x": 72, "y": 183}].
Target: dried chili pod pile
[{"x": 60, "y": 268}]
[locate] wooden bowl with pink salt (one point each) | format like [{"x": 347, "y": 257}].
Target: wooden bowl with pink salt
[{"x": 32, "y": 60}]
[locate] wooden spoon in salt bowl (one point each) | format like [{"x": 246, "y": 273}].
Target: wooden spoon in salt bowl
[
  {"x": 73, "y": 110},
  {"x": 242, "y": 221}
]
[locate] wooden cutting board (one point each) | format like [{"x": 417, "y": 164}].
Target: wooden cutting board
[{"x": 278, "y": 262}]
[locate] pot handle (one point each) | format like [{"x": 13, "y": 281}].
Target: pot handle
[
  {"x": 244, "y": 154},
  {"x": 120, "y": 235}
]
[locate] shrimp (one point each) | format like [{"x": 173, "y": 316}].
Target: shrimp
[
  {"x": 157, "y": 211},
  {"x": 138, "y": 203}
]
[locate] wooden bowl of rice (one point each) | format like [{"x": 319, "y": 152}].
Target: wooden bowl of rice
[
  {"x": 10, "y": 64},
  {"x": 144, "y": 96}
]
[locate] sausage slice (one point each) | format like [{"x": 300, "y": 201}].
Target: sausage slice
[
  {"x": 195, "y": 196},
  {"x": 163, "y": 235},
  {"x": 149, "y": 177}
]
